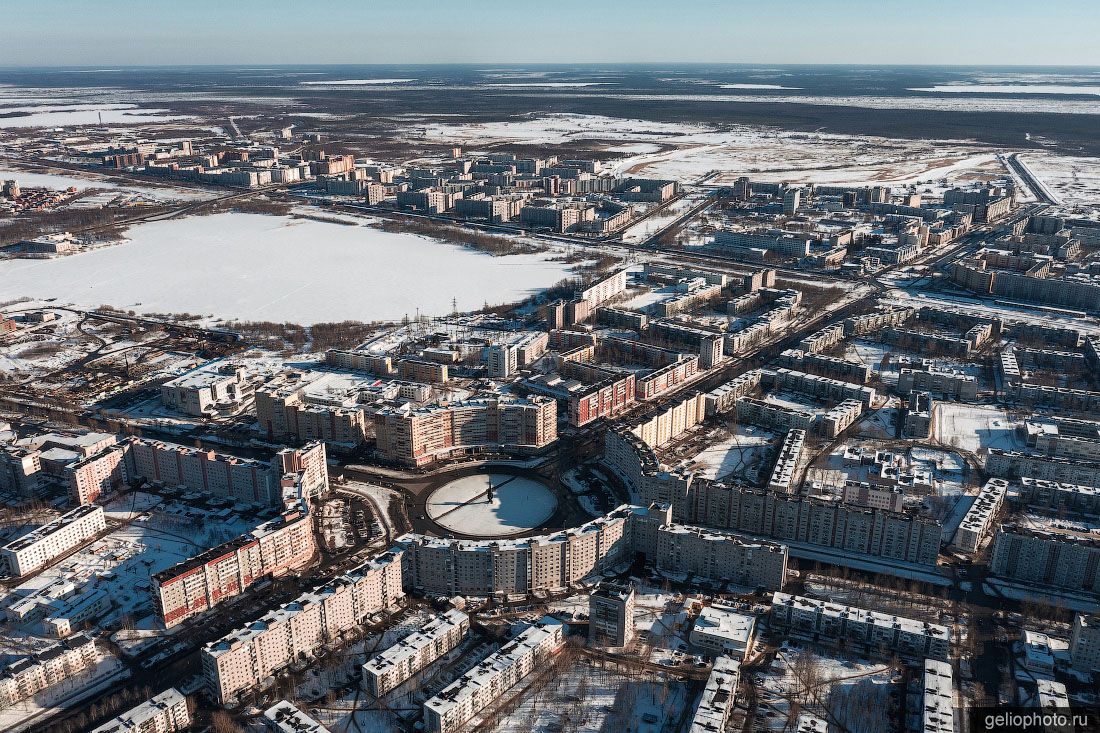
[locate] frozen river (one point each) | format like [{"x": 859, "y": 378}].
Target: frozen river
[{"x": 275, "y": 268}]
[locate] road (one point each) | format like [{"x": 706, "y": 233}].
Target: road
[{"x": 1042, "y": 193}]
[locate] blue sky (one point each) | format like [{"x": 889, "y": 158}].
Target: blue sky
[{"x": 146, "y": 32}]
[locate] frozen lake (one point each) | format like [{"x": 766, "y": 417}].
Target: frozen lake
[{"x": 276, "y": 268}]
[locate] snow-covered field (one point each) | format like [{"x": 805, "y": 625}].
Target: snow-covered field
[
  {"x": 518, "y": 504},
  {"x": 973, "y": 427},
  {"x": 256, "y": 267},
  {"x": 1073, "y": 180}
]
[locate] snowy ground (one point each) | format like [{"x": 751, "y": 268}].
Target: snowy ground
[
  {"x": 1072, "y": 180},
  {"x": 688, "y": 151},
  {"x": 740, "y": 456},
  {"x": 973, "y": 427},
  {"x": 155, "y": 535},
  {"x": 256, "y": 267},
  {"x": 854, "y": 691},
  {"x": 83, "y": 182},
  {"x": 588, "y": 698},
  {"x": 518, "y": 504}
]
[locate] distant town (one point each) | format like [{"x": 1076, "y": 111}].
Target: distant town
[{"x": 757, "y": 454}]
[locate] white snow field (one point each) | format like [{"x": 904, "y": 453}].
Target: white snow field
[
  {"x": 518, "y": 505},
  {"x": 276, "y": 268}
]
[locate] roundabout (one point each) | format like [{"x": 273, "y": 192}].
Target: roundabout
[{"x": 491, "y": 505}]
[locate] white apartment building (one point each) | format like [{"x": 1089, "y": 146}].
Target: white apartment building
[
  {"x": 720, "y": 630},
  {"x": 938, "y": 698},
  {"x": 244, "y": 658},
  {"x": 870, "y": 632},
  {"x": 386, "y": 670},
  {"x": 719, "y": 696},
  {"x": 605, "y": 289},
  {"x": 49, "y": 542},
  {"x": 976, "y": 524},
  {"x": 20, "y": 470},
  {"x": 30, "y": 675},
  {"x": 786, "y": 464},
  {"x": 163, "y": 713},
  {"x": 464, "y": 698}
]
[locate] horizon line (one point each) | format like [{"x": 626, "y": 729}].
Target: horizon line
[{"x": 112, "y": 67}]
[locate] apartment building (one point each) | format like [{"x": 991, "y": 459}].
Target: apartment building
[
  {"x": 906, "y": 536},
  {"x": 285, "y": 717},
  {"x": 564, "y": 217},
  {"x": 203, "y": 391},
  {"x": 918, "y": 416},
  {"x": 671, "y": 421},
  {"x": 720, "y": 630},
  {"x": 868, "y": 632},
  {"x": 437, "y": 566},
  {"x": 611, "y": 614},
  {"x": 1064, "y": 437},
  {"x": 786, "y": 463},
  {"x": 1057, "y": 498},
  {"x": 100, "y": 473},
  {"x": 420, "y": 436},
  {"x": 201, "y": 470},
  {"x": 483, "y": 685},
  {"x": 937, "y": 697},
  {"x": 163, "y": 713},
  {"x": 818, "y": 386},
  {"x": 725, "y": 397},
  {"x": 873, "y": 322},
  {"x": 422, "y": 370},
  {"x": 28, "y": 676},
  {"x": 243, "y": 659},
  {"x": 502, "y": 360},
  {"x": 360, "y": 361},
  {"x": 719, "y": 697},
  {"x": 1047, "y": 555},
  {"x": 823, "y": 339},
  {"x": 1011, "y": 464},
  {"x": 604, "y": 289},
  {"x": 720, "y": 557},
  {"x": 1084, "y": 643},
  {"x": 826, "y": 366},
  {"x": 979, "y": 517},
  {"x": 771, "y": 415},
  {"x": 47, "y": 544},
  {"x": 192, "y": 587},
  {"x": 840, "y": 417},
  {"x": 952, "y": 384},
  {"x": 20, "y": 470},
  {"x": 387, "y": 670}
]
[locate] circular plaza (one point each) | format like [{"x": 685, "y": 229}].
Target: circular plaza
[{"x": 491, "y": 504}]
